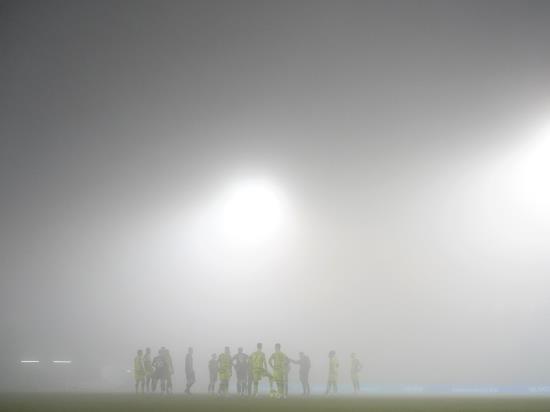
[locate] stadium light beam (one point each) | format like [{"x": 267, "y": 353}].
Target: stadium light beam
[{"x": 252, "y": 211}]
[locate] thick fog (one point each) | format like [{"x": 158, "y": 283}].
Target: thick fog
[{"x": 366, "y": 177}]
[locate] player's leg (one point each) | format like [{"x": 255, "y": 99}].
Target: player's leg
[
  {"x": 169, "y": 383},
  {"x": 281, "y": 387},
  {"x": 255, "y": 385}
]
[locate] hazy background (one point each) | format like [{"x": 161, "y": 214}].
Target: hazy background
[{"x": 407, "y": 140}]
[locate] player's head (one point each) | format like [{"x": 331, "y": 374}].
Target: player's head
[
  {"x": 214, "y": 356},
  {"x": 353, "y": 356},
  {"x": 190, "y": 350},
  {"x": 277, "y": 347},
  {"x": 301, "y": 354},
  {"x": 240, "y": 350},
  {"x": 259, "y": 345},
  {"x": 140, "y": 352},
  {"x": 227, "y": 349},
  {"x": 147, "y": 350},
  {"x": 331, "y": 354}
]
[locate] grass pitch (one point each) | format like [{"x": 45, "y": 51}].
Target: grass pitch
[{"x": 181, "y": 403}]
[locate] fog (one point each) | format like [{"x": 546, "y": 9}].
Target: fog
[{"x": 366, "y": 177}]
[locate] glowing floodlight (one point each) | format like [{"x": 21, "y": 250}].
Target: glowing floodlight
[
  {"x": 62, "y": 361},
  {"x": 29, "y": 361},
  {"x": 253, "y": 211}
]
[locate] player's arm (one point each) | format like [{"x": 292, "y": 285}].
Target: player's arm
[{"x": 271, "y": 361}]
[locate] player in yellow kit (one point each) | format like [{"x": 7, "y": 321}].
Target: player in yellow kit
[
  {"x": 225, "y": 368},
  {"x": 139, "y": 372},
  {"x": 279, "y": 364},
  {"x": 333, "y": 366},
  {"x": 258, "y": 366}
]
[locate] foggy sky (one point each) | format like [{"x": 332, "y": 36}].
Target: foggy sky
[{"x": 378, "y": 119}]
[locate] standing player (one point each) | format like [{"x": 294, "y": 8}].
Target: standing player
[
  {"x": 225, "y": 365},
  {"x": 250, "y": 378},
  {"x": 169, "y": 369},
  {"x": 279, "y": 364},
  {"x": 259, "y": 368},
  {"x": 240, "y": 363},
  {"x": 148, "y": 365},
  {"x": 333, "y": 366},
  {"x": 139, "y": 371},
  {"x": 189, "y": 371},
  {"x": 160, "y": 372},
  {"x": 213, "y": 372},
  {"x": 355, "y": 369},
  {"x": 304, "y": 367}
]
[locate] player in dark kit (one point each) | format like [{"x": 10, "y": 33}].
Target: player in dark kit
[
  {"x": 240, "y": 363},
  {"x": 213, "y": 372},
  {"x": 148, "y": 365},
  {"x": 304, "y": 367},
  {"x": 189, "y": 371},
  {"x": 161, "y": 371}
]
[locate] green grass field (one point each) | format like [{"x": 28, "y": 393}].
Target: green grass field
[{"x": 118, "y": 402}]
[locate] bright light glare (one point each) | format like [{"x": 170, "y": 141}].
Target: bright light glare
[
  {"x": 30, "y": 361},
  {"x": 62, "y": 361},
  {"x": 253, "y": 211},
  {"x": 525, "y": 175},
  {"x": 512, "y": 200}
]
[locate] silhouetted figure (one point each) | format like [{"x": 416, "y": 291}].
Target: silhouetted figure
[
  {"x": 287, "y": 372},
  {"x": 259, "y": 368},
  {"x": 213, "y": 373},
  {"x": 355, "y": 369},
  {"x": 170, "y": 370},
  {"x": 148, "y": 365},
  {"x": 240, "y": 363},
  {"x": 160, "y": 371},
  {"x": 333, "y": 366},
  {"x": 250, "y": 379},
  {"x": 304, "y": 366},
  {"x": 279, "y": 364},
  {"x": 139, "y": 371},
  {"x": 225, "y": 370},
  {"x": 189, "y": 371}
]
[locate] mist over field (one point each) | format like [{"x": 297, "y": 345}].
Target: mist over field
[{"x": 367, "y": 177}]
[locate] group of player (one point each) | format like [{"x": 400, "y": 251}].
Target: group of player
[
  {"x": 249, "y": 370},
  {"x": 148, "y": 371}
]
